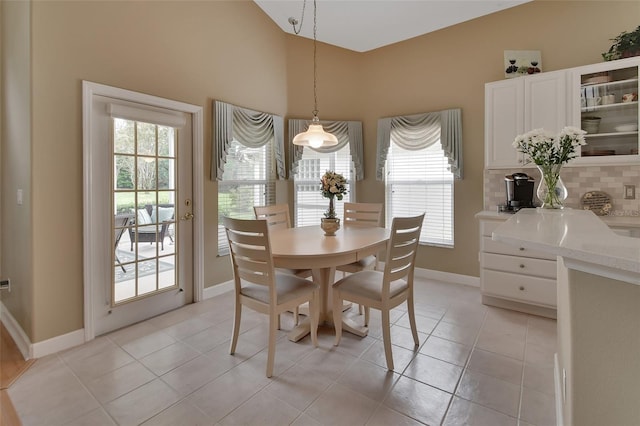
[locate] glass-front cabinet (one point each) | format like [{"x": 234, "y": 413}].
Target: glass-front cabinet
[{"x": 606, "y": 107}]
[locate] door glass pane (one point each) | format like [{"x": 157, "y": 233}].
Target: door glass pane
[{"x": 144, "y": 225}]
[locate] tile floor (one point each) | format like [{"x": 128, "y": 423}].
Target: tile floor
[{"x": 475, "y": 365}]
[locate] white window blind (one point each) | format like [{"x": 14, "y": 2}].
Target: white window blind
[
  {"x": 420, "y": 181},
  {"x": 309, "y": 202},
  {"x": 248, "y": 180}
]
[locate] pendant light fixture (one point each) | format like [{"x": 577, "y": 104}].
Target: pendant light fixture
[{"x": 315, "y": 136}]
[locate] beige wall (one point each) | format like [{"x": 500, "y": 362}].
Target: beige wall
[
  {"x": 199, "y": 51},
  {"x": 16, "y": 260}
]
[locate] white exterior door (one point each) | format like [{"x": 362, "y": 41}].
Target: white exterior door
[{"x": 140, "y": 208}]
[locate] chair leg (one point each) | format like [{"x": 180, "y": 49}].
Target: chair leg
[
  {"x": 279, "y": 322},
  {"x": 360, "y": 311},
  {"x": 412, "y": 319},
  {"x": 367, "y": 316},
  {"x": 386, "y": 338},
  {"x": 296, "y": 311},
  {"x": 337, "y": 316},
  {"x": 273, "y": 329},
  {"x": 236, "y": 327},
  {"x": 314, "y": 313}
]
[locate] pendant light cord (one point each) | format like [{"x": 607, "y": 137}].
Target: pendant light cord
[{"x": 315, "y": 67}]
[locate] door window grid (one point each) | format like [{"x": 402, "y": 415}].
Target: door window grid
[
  {"x": 145, "y": 173},
  {"x": 309, "y": 202},
  {"x": 248, "y": 180},
  {"x": 420, "y": 181}
]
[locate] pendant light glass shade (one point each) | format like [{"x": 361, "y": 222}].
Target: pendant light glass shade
[{"x": 315, "y": 136}]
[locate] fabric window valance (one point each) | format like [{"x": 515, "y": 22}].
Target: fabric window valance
[
  {"x": 419, "y": 131},
  {"x": 251, "y": 128},
  {"x": 347, "y": 132}
]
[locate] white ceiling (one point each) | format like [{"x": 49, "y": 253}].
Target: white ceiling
[{"x": 363, "y": 25}]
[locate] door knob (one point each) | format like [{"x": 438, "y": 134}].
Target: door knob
[{"x": 187, "y": 216}]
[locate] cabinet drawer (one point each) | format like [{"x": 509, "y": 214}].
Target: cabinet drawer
[
  {"x": 521, "y": 288},
  {"x": 519, "y": 265},
  {"x": 487, "y": 245}
]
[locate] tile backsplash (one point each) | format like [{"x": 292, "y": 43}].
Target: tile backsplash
[{"x": 578, "y": 180}]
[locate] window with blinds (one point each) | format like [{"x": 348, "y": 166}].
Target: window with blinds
[
  {"x": 420, "y": 181},
  {"x": 248, "y": 180},
  {"x": 309, "y": 202}
]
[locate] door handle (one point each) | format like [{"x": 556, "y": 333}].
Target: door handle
[{"x": 187, "y": 216}]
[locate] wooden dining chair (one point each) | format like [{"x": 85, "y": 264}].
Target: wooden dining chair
[
  {"x": 364, "y": 215},
  {"x": 277, "y": 217},
  {"x": 259, "y": 287},
  {"x": 384, "y": 290}
]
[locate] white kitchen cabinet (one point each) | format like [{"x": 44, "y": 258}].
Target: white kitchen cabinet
[
  {"x": 597, "y": 96},
  {"x": 515, "y": 277},
  {"x": 516, "y": 106},
  {"x": 504, "y": 120}
]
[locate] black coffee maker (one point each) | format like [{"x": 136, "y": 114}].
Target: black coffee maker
[{"x": 519, "y": 188}]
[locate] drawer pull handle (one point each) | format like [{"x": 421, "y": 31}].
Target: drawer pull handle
[
  {"x": 521, "y": 288},
  {"x": 521, "y": 248},
  {"x": 522, "y": 266}
]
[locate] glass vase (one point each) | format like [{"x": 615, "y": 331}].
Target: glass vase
[{"x": 551, "y": 190}]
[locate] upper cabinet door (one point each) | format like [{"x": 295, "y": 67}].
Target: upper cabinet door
[
  {"x": 605, "y": 105},
  {"x": 546, "y": 97},
  {"x": 504, "y": 120}
]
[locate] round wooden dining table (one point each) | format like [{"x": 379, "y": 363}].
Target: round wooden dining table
[{"x": 307, "y": 247}]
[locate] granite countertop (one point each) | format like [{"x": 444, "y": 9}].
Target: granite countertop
[
  {"x": 615, "y": 221},
  {"x": 577, "y": 235}
]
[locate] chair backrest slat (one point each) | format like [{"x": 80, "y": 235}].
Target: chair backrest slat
[
  {"x": 402, "y": 248},
  {"x": 277, "y": 216},
  {"x": 363, "y": 214},
  {"x": 250, "y": 251}
]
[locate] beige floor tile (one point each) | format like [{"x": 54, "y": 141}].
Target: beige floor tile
[
  {"x": 109, "y": 359},
  {"x": 434, "y": 372},
  {"x": 423, "y": 324},
  {"x": 262, "y": 409},
  {"x": 401, "y": 336},
  {"x": 116, "y": 383},
  {"x": 183, "y": 413},
  {"x": 305, "y": 420},
  {"x": 196, "y": 373},
  {"x": 496, "y": 365},
  {"x": 207, "y": 339},
  {"x": 148, "y": 344},
  {"x": 418, "y": 401},
  {"x": 385, "y": 416},
  {"x": 456, "y": 333},
  {"x": 463, "y": 412},
  {"x": 540, "y": 355},
  {"x": 401, "y": 356},
  {"x": 166, "y": 359},
  {"x": 508, "y": 323},
  {"x": 354, "y": 345},
  {"x": 55, "y": 396},
  {"x": 327, "y": 362},
  {"x": 538, "y": 408},
  {"x": 97, "y": 417},
  {"x": 142, "y": 403},
  {"x": 227, "y": 392},
  {"x": 187, "y": 328},
  {"x": 501, "y": 344},
  {"x": 491, "y": 392},
  {"x": 428, "y": 310},
  {"x": 539, "y": 378},
  {"x": 446, "y": 350},
  {"x": 465, "y": 314},
  {"x": 298, "y": 387},
  {"x": 133, "y": 332},
  {"x": 368, "y": 379},
  {"x": 339, "y": 405}
]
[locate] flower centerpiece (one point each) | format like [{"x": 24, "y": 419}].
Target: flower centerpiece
[
  {"x": 333, "y": 185},
  {"x": 549, "y": 153}
]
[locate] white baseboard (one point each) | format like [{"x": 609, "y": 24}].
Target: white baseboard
[
  {"x": 216, "y": 290},
  {"x": 18, "y": 335},
  {"x": 447, "y": 277},
  {"x": 40, "y": 349}
]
